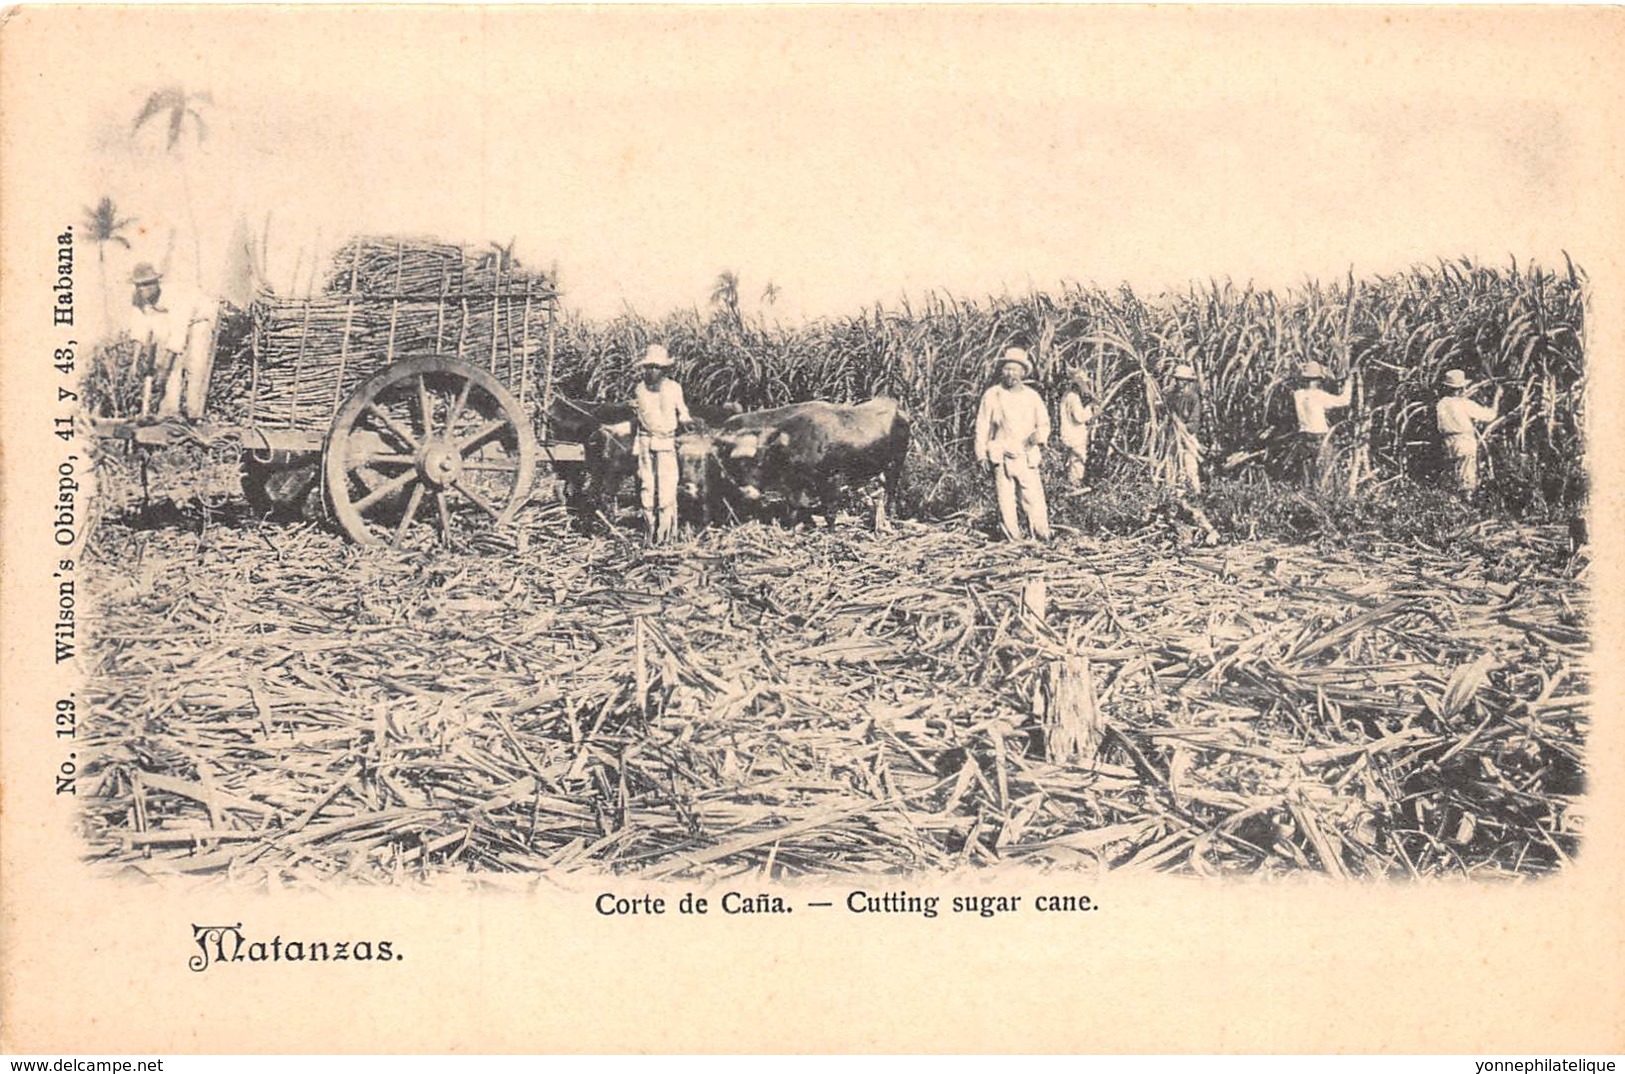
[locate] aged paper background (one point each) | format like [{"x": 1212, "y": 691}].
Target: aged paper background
[{"x": 93, "y": 965}]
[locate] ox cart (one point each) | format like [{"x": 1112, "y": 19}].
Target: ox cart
[{"x": 404, "y": 392}]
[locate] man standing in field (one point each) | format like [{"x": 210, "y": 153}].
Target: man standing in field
[
  {"x": 1311, "y": 402},
  {"x": 659, "y": 412},
  {"x": 1011, "y": 423},
  {"x": 1458, "y": 412},
  {"x": 1077, "y": 414},
  {"x": 176, "y": 338},
  {"x": 1185, "y": 425}
]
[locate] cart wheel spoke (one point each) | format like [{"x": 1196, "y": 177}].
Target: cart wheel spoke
[
  {"x": 457, "y": 407},
  {"x": 387, "y": 460},
  {"x": 485, "y": 432},
  {"x": 411, "y": 513},
  {"x": 425, "y": 408},
  {"x": 408, "y": 441},
  {"x": 476, "y": 499},
  {"x": 388, "y": 488},
  {"x": 444, "y": 509},
  {"x": 492, "y": 466}
]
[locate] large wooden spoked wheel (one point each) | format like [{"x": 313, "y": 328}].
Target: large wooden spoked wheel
[{"x": 428, "y": 445}]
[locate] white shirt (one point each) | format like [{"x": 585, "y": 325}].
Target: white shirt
[
  {"x": 1010, "y": 424},
  {"x": 660, "y": 410},
  {"x": 1075, "y": 418},
  {"x": 1312, "y": 404},
  {"x": 1457, "y": 414},
  {"x": 166, "y": 324}
]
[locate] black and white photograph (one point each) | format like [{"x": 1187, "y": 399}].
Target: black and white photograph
[{"x": 814, "y": 469}]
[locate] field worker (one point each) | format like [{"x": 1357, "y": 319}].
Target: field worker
[
  {"x": 659, "y": 412},
  {"x": 1077, "y": 414},
  {"x": 1010, "y": 424},
  {"x": 1459, "y": 416},
  {"x": 176, "y": 339},
  {"x": 1185, "y": 416},
  {"x": 1311, "y": 402}
]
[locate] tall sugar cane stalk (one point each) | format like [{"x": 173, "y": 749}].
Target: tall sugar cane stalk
[{"x": 1360, "y": 456}]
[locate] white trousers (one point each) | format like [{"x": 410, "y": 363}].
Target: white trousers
[
  {"x": 1188, "y": 458},
  {"x": 1077, "y": 461},
  {"x": 1462, "y": 451},
  {"x": 1010, "y": 478},
  {"x": 657, "y": 485},
  {"x": 187, "y": 380}
]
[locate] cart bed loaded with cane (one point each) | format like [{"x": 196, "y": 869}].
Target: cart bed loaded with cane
[{"x": 406, "y": 385}]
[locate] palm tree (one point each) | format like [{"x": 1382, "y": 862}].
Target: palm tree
[
  {"x": 725, "y": 296},
  {"x": 770, "y": 293},
  {"x": 177, "y": 106},
  {"x": 104, "y": 225}
]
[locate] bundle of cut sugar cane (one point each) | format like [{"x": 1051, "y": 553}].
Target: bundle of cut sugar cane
[
  {"x": 389, "y": 265},
  {"x": 312, "y": 353}
]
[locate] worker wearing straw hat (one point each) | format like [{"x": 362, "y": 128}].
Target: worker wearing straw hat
[
  {"x": 1011, "y": 423},
  {"x": 1185, "y": 421},
  {"x": 1459, "y": 415},
  {"x": 660, "y": 411},
  {"x": 176, "y": 341},
  {"x": 1077, "y": 415},
  {"x": 1311, "y": 402}
]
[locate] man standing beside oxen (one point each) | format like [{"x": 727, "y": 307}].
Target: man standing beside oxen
[
  {"x": 1011, "y": 423},
  {"x": 659, "y": 412}
]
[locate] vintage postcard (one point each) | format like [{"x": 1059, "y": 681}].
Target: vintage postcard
[{"x": 784, "y": 529}]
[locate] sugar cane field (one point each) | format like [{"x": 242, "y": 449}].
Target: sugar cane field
[{"x": 1373, "y": 678}]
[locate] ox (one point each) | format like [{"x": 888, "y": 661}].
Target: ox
[
  {"x": 586, "y": 489},
  {"x": 808, "y": 451}
]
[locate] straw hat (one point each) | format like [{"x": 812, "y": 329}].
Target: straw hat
[
  {"x": 1184, "y": 372},
  {"x": 1017, "y": 356},
  {"x": 655, "y": 356},
  {"x": 145, "y": 273},
  {"x": 1455, "y": 378},
  {"x": 1312, "y": 371}
]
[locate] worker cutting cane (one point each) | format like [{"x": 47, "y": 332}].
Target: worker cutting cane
[{"x": 1459, "y": 416}]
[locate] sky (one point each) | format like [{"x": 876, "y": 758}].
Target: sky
[{"x": 846, "y": 155}]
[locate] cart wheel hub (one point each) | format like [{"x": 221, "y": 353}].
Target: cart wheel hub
[{"x": 441, "y": 463}]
